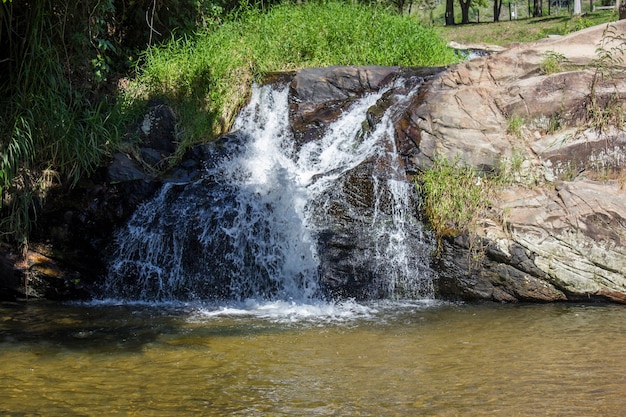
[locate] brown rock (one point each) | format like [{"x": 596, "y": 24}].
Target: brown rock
[{"x": 561, "y": 232}]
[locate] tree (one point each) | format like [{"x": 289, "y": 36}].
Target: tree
[
  {"x": 465, "y": 6},
  {"x": 538, "y": 8},
  {"x": 578, "y": 7},
  {"x": 449, "y": 12},
  {"x": 497, "y": 8}
]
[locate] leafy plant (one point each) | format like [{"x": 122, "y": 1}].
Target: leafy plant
[
  {"x": 510, "y": 169},
  {"x": 454, "y": 196},
  {"x": 577, "y": 23},
  {"x": 553, "y": 62},
  {"x": 51, "y": 131}
]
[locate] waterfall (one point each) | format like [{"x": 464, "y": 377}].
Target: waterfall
[{"x": 263, "y": 220}]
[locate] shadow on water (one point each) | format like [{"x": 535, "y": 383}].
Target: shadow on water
[
  {"x": 50, "y": 328},
  {"x": 78, "y": 328},
  {"x": 109, "y": 328}
]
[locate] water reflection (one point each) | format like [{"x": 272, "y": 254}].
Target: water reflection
[{"x": 412, "y": 359}]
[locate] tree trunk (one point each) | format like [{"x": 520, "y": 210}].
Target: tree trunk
[
  {"x": 577, "y": 7},
  {"x": 449, "y": 12},
  {"x": 497, "y": 7},
  {"x": 465, "y": 6},
  {"x": 538, "y": 8}
]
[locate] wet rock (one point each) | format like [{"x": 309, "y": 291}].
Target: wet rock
[
  {"x": 158, "y": 128},
  {"x": 123, "y": 168},
  {"x": 32, "y": 275},
  {"x": 318, "y": 96}
]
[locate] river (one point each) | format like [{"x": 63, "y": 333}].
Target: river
[{"x": 286, "y": 359}]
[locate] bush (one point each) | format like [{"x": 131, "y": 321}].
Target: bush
[{"x": 53, "y": 127}]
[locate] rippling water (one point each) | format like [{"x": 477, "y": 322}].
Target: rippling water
[{"x": 387, "y": 359}]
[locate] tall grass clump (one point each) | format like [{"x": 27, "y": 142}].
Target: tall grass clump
[
  {"x": 603, "y": 112},
  {"x": 51, "y": 131},
  {"x": 208, "y": 77},
  {"x": 454, "y": 197}
]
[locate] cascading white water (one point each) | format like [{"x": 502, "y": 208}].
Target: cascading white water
[
  {"x": 404, "y": 268},
  {"x": 249, "y": 228}
]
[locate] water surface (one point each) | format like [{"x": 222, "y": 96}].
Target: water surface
[{"x": 328, "y": 360}]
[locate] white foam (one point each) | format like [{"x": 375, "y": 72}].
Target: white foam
[{"x": 320, "y": 312}]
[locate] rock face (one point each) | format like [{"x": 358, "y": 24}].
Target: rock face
[
  {"x": 557, "y": 233},
  {"x": 349, "y": 266},
  {"x": 254, "y": 239},
  {"x": 319, "y": 95}
]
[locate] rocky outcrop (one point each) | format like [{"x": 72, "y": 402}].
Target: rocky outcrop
[
  {"x": 348, "y": 264},
  {"x": 557, "y": 233}
]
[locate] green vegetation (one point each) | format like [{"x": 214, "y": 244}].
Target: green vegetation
[
  {"x": 516, "y": 123},
  {"x": 610, "y": 111},
  {"x": 553, "y": 63},
  {"x": 455, "y": 195},
  {"x": 208, "y": 77},
  {"x": 505, "y": 33},
  {"x": 52, "y": 128}
]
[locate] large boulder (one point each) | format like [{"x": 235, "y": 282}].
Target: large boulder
[
  {"x": 557, "y": 233},
  {"x": 319, "y": 95},
  {"x": 467, "y": 109}
]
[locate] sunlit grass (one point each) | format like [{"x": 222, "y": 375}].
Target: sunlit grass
[
  {"x": 507, "y": 32},
  {"x": 208, "y": 78}
]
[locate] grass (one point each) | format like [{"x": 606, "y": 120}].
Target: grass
[
  {"x": 51, "y": 132},
  {"x": 603, "y": 112},
  {"x": 508, "y": 32},
  {"x": 516, "y": 123},
  {"x": 208, "y": 78},
  {"x": 553, "y": 63},
  {"x": 454, "y": 197}
]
